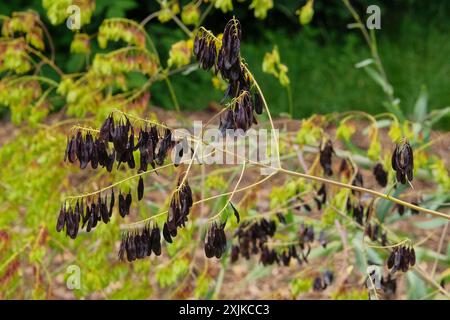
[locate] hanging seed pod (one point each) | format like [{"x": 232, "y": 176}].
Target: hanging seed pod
[
  {"x": 122, "y": 249},
  {"x": 111, "y": 203},
  {"x": 147, "y": 237},
  {"x": 156, "y": 241},
  {"x": 128, "y": 201},
  {"x": 106, "y": 129},
  {"x": 166, "y": 233},
  {"x": 215, "y": 241},
  {"x": 234, "y": 253},
  {"x": 326, "y": 152},
  {"x": 236, "y": 213},
  {"x": 104, "y": 212},
  {"x": 140, "y": 189},
  {"x": 400, "y": 209},
  {"x": 122, "y": 205},
  {"x": 140, "y": 247},
  {"x": 281, "y": 217},
  {"x": 412, "y": 260},
  {"x": 61, "y": 219},
  {"x": 131, "y": 248},
  {"x": 380, "y": 175},
  {"x": 258, "y": 103},
  {"x": 403, "y": 162}
]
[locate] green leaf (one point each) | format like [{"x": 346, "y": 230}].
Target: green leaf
[
  {"x": 379, "y": 79},
  {"x": 360, "y": 256},
  {"x": 363, "y": 63},
  {"x": 421, "y": 106},
  {"x": 430, "y": 224},
  {"x": 416, "y": 286}
]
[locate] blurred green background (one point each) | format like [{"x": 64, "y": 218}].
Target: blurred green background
[{"x": 413, "y": 44}]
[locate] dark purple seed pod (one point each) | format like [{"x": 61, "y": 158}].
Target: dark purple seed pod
[
  {"x": 91, "y": 223},
  {"x": 156, "y": 241},
  {"x": 400, "y": 209},
  {"x": 72, "y": 150},
  {"x": 326, "y": 152},
  {"x": 234, "y": 253},
  {"x": 61, "y": 219},
  {"x": 104, "y": 210},
  {"x": 236, "y": 213},
  {"x": 196, "y": 44},
  {"x": 398, "y": 257},
  {"x": 281, "y": 217},
  {"x": 380, "y": 175},
  {"x": 66, "y": 153},
  {"x": 412, "y": 260},
  {"x": 258, "y": 103},
  {"x": 87, "y": 216},
  {"x": 391, "y": 260},
  {"x": 146, "y": 233},
  {"x": 122, "y": 249},
  {"x": 166, "y": 233},
  {"x": 106, "y": 129},
  {"x": 403, "y": 162},
  {"x": 131, "y": 249},
  {"x": 128, "y": 201},
  {"x": 122, "y": 205},
  {"x": 140, "y": 189},
  {"x": 209, "y": 250},
  {"x": 140, "y": 247},
  {"x": 111, "y": 203}
]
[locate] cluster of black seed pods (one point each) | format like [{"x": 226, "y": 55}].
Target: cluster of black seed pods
[
  {"x": 240, "y": 114},
  {"x": 215, "y": 240},
  {"x": 403, "y": 162},
  {"x": 253, "y": 239},
  {"x": 138, "y": 245},
  {"x": 401, "y": 258},
  {"x": 87, "y": 212},
  {"x": 84, "y": 214},
  {"x": 179, "y": 208},
  {"x": 87, "y": 149},
  {"x": 115, "y": 142}
]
